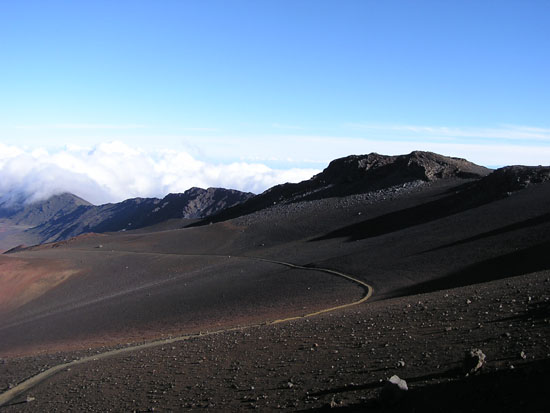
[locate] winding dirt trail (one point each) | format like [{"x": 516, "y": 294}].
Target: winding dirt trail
[{"x": 26, "y": 385}]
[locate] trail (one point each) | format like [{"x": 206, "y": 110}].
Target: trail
[{"x": 31, "y": 382}]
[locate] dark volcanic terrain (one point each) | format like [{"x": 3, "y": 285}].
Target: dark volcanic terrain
[{"x": 457, "y": 256}]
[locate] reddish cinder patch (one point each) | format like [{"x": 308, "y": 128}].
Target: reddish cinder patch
[
  {"x": 22, "y": 280},
  {"x": 57, "y": 244}
]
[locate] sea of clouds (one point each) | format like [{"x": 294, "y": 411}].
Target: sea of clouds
[{"x": 114, "y": 171}]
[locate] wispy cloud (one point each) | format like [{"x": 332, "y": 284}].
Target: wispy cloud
[
  {"x": 503, "y": 132},
  {"x": 81, "y": 126},
  {"x": 300, "y": 150},
  {"x": 286, "y": 126},
  {"x": 200, "y": 129}
]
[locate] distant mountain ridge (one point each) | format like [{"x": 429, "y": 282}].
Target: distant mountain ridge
[
  {"x": 36, "y": 213},
  {"x": 66, "y": 215}
]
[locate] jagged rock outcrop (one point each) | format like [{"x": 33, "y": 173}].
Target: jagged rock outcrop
[{"x": 198, "y": 202}]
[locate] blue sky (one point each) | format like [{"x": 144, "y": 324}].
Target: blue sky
[{"x": 282, "y": 84}]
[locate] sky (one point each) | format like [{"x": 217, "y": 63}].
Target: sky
[{"x": 118, "y": 99}]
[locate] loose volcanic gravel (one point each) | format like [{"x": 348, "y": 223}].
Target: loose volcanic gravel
[
  {"x": 336, "y": 361},
  {"x": 294, "y": 209}
]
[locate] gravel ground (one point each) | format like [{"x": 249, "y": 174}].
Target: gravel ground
[
  {"x": 338, "y": 360},
  {"x": 294, "y": 209}
]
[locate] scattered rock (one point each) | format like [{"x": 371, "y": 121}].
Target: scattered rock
[
  {"x": 393, "y": 391},
  {"x": 474, "y": 361},
  {"x": 333, "y": 403}
]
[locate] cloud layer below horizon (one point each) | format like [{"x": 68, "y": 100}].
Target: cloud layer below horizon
[
  {"x": 112, "y": 172},
  {"x": 133, "y": 166}
]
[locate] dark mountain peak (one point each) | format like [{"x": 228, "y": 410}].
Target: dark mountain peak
[
  {"x": 66, "y": 198},
  {"x": 204, "y": 202},
  {"x": 18, "y": 200},
  {"x": 136, "y": 201},
  {"x": 384, "y": 170},
  {"x": 193, "y": 191},
  {"x": 37, "y": 212}
]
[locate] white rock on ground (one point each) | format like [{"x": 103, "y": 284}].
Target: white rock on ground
[{"x": 393, "y": 391}]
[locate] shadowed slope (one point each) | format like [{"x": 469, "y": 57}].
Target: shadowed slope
[
  {"x": 528, "y": 260},
  {"x": 497, "y": 185},
  {"x": 528, "y": 223}
]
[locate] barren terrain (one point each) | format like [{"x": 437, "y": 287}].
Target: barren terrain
[{"x": 452, "y": 270}]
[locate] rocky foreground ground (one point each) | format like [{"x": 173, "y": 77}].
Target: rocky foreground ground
[{"x": 338, "y": 361}]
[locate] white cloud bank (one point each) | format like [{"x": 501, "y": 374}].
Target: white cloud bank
[{"x": 111, "y": 172}]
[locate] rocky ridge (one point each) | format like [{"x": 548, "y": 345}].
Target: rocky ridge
[
  {"x": 360, "y": 174},
  {"x": 64, "y": 216}
]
